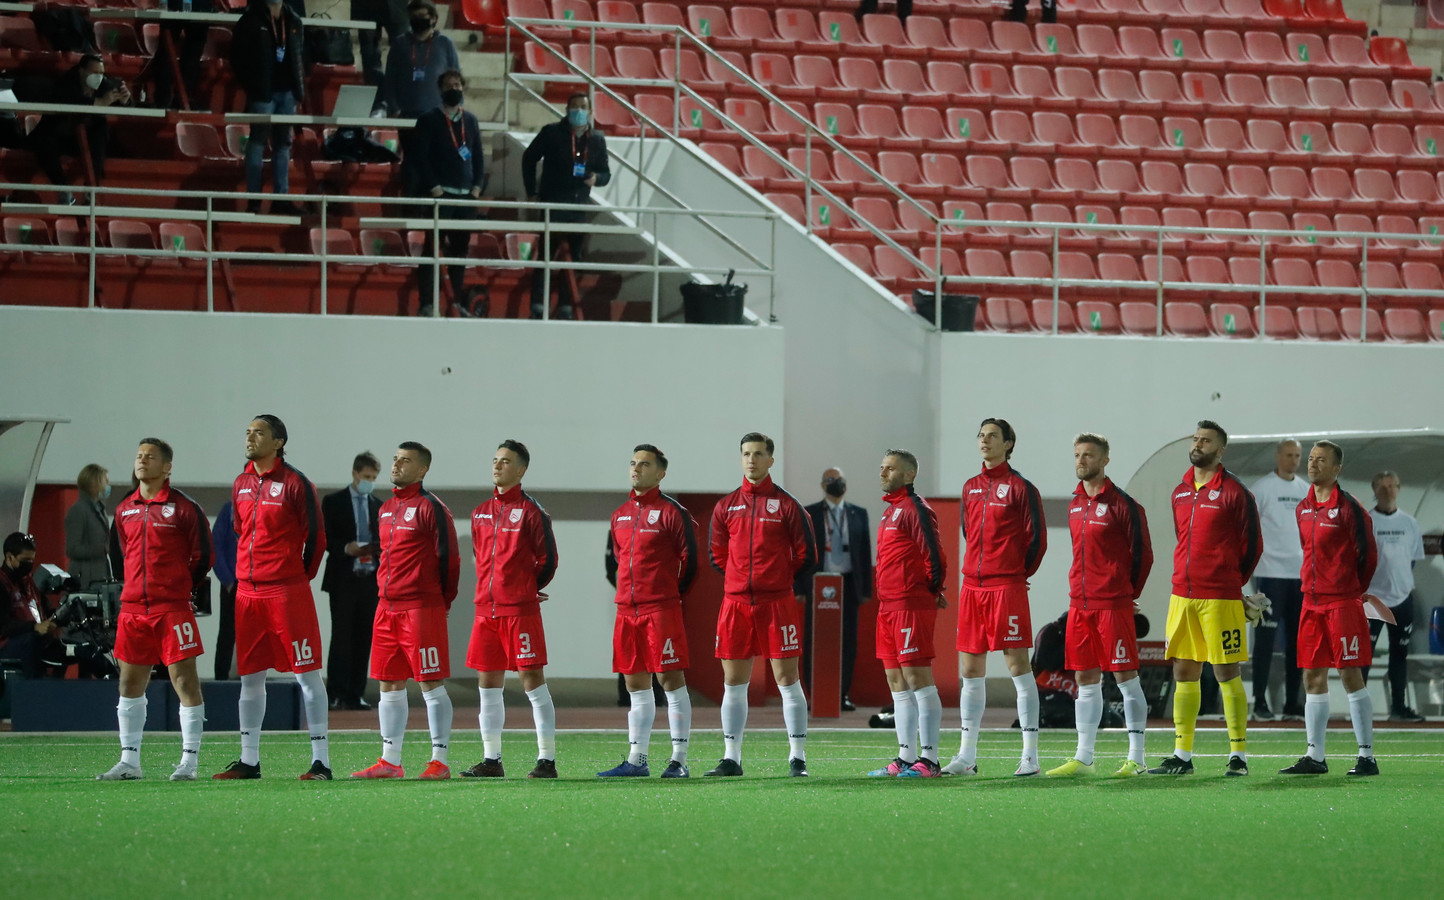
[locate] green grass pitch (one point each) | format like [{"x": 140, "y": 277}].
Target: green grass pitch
[{"x": 837, "y": 834}]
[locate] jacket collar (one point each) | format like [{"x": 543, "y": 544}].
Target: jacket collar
[
  {"x": 251, "y": 468},
  {"x": 1330, "y": 503},
  {"x": 762, "y": 487},
  {"x": 646, "y": 498},
  {"x": 901, "y": 493},
  {"x": 1082, "y": 492},
  {"x": 1215, "y": 482},
  {"x": 162, "y": 496},
  {"x": 1001, "y": 470},
  {"x": 510, "y": 495},
  {"x": 406, "y": 493}
]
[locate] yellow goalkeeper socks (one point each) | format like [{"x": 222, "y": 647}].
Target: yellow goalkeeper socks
[
  {"x": 1235, "y": 713},
  {"x": 1186, "y": 698}
]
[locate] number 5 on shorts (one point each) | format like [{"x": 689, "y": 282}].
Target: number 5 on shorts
[
  {"x": 1012, "y": 627},
  {"x": 303, "y": 651}
]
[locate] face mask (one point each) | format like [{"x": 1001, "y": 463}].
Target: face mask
[
  {"x": 105, "y": 492},
  {"x": 364, "y": 487},
  {"x": 25, "y": 568},
  {"x": 578, "y": 118},
  {"x": 421, "y": 24},
  {"x": 94, "y": 80},
  {"x": 835, "y": 487},
  {"x": 453, "y": 97}
]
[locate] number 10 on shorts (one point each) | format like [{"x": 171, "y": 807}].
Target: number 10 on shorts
[{"x": 430, "y": 659}]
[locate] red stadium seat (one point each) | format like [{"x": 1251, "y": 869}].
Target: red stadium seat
[
  {"x": 886, "y": 33},
  {"x": 1185, "y": 319},
  {"x": 841, "y": 28},
  {"x": 1231, "y": 320},
  {"x": 906, "y": 77},
  {"x": 1436, "y": 325},
  {"x": 200, "y": 141},
  {"x": 1098, "y": 318},
  {"x": 1318, "y": 323},
  {"x": 862, "y": 77},
  {"x": 1405, "y": 325},
  {"x": 1276, "y": 322},
  {"x": 971, "y": 36},
  {"x": 1043, "y": 315},
  {"x": 1008, "y": 314},
  {"x": 1358, "y": 324},
  {"x": 800, "y": 27}
]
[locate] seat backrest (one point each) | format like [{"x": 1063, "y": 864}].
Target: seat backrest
[
  {"x": 1095, "y": 317},
  {"x": 709, "y": 21},
  {"x": 25, "y": 230},
  {"x": 382, "y": 242},
  {"x": 131, "y": 235},
  {"x": 1185, "y": 319},
  {"x": 905, "y": 76},
  {"x": 877, "y": 120},
  {"x": 924, "y": 123},
  {"x": 814, "y": 71},
  {"x": 1403, "y": 324},
  {"x": 1043, "y": 315},
  {"x": 1361, "y": 324},
  {"x": 797, "y": 25},
  {"x": 1318, "y": 323},
  {"x": 635, "y": 62},
  {"x": 1231, "y": 320},
  {"x": 1006, "y": 314},
  {"x": 1276, "y": 322},
  {"x": 188, "y": 237}
]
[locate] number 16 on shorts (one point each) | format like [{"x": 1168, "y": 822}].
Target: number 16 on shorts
[{"x": 302, "y": 652}]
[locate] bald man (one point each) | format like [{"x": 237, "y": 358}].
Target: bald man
[{"x": 844, "y": 547}]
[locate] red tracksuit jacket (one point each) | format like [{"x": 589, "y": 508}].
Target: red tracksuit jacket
[
  {"x": 279, "y": 538},
  {"x": 1339, "y": 550},
  {"x": 1219, "y": 541},
  {"x": 761, "y": 540},
  {"x": 419, "y": 562},
  {"x": 1003, "y": 527},
  {"x": 163, "y": 547},
  {"x": 516, "y": 553},
  {"x": 1112, "y": 553},
  {"x": 651, "y": 552},
  {"x": 911, "y": 564}
]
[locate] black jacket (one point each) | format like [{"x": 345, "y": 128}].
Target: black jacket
[
  {"x": 859, "y": 547},
  {"x": 253, "y": 52},
  {"x": 552, "y": 147},
  {"x": 339, "y": 519},
  {"x": 437, "y": 143}
]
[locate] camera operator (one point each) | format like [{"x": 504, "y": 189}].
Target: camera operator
[
  {"x": 57, "y": 135},
  {"x": 161, "y": 542},
  {"x": 28, "y": 632}
]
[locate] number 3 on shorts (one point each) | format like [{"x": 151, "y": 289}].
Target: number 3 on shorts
[
  {"x": 524, "y": 639},
  {"x": 303, "y": 651}
]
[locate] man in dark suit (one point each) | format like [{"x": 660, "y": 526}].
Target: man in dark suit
[
  {"x": 350, "y": 580},
  {"x": 844, "y": 545}
]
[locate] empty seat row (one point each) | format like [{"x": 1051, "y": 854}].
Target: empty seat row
[
  {"x": 201, "y": 140},
  {"x": 127, "y": 234}
]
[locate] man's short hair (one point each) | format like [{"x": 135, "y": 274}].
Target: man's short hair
[
  {"x": 365, "y": 460},
  {"x": 757, "y": 437},
  {"x": 1006, "y": 429},
  {"x": 89, "y": 58},
  {"x": 519, "y": 449},
  {"x": 89, "y": 478},
  {"x": 423, "y": 455},
  {"x": 1286, "y": 441},
  {"x": 652, "y": 449},
  {"x": 1216, "y": 428},
  {"x": 166, "y": 453},
  {"x": 427, "y": 5},
  {"x": 278, "y": 430},
  {"x": 17, "y": 542},
  {"x": 1097, "y": 440},
  {"x": 1338, "y": 451},
  {"x": 579, "y": 95},
  {"x": 909, "y": 461},
  {"x": 441, "y": 79},
  {"x": 1374, "y": 484}
]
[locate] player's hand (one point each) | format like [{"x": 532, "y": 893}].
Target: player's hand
[
  {"x": 542, "y": 597},
  {"x": 942, "y": 602},
  {"x": 354, "y": 549},
  {"x": 476, "y": 193},
  {"x": 590, "y": 180},
  {"x": 436, "y": 191},
  {"x": 1137, "y": 610},
  {"x": 46, "y": 627}
]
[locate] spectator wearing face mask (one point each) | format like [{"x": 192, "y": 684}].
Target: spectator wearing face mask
[
  {"x": 844, "y": 547},
  {"x": 57, "y": 136},
  {"x": 350, "y": 518},
  {"x": 267, "y": 55},
  {"x": 27, "y": 624},
  {"x": 412, "y": 86},
  {"x": 448, "y": 165},
  {"x": 87, "y": 528},
  {"x": 573, "y": 157}
]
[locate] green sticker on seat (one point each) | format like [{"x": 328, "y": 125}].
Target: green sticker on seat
[
  {"x": 1091, "y": 218},
  {"x": 696, "y": 118},
  {"x": 1178, "y": 47},
  {"x": 569, "y": 14},
  {"x": 835, "y": 30},
  {"x": 245, "y": 139},
  {"x": 112, "y": 39},
  {"x": 1052, "y": 44},
  {"x": 524, "y": 249},
  {"x": 177, "y": 242},
  {"x": 391, "y": 144},
  {"x": 377, "y": 246},
  {"x": 824, "y": 214},
  {"x": 958, "y": 213},
  {"x": 1432, "y": 146},
  {"x": 25, "y": 233},
  {"x": 705, "y": 26},
  {"x": 1311, "y": 239},
  {"x": 832, "y": 124},
  {"x": 1303, "y": 52},
  {"x": 1095, "y": 321},
  {"x": 1178, "y": 137},
  {"x": 1229, "y": 325},
  {"x": 1433, "y": 229},
  {"x": 1307, "y": 142},
  {"x": 965, "y": 127}
]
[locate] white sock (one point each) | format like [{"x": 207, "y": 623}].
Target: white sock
[
  {"x": 438, "y": 719},
  {"x": 905, "y": 723},
  {"x": 930, "y": 721},
  {"x": 1088, "y": 711},
  {"x": 130, "y": 715},
  {"x": 192, "y": 722},
  {"x": 493, "y": 717},
  {"x": 794, "y": 716},
  {"x": 391, "y": 710},
  {"x": 1027, "y": 690},
  {"x": 974, "y": 698},
  {"x": 679, "y": 720},
  {"x": 313, "y": 697},
  {"x": 734, "y": 720},
  {"x": 639, "y": 725},
  {"x": 252, "y": 711},
  {"x": 1361, "y": 713},
  {"x": 544, "y": 715},
  {"x": 1135, "y": 716},
  {"x": 1316, "y": 723}
]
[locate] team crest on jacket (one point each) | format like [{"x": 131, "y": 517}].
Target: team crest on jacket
[
  {"x": 653, "y": 515},
  {"x": 895, "y": 513},
  {"x": 516, "y": 515},
  {"x": 1101, "y": 508},
  {"x": 773, "y": 506},
  {"x": 1334, "y": 513},
  {"x": 410, "y": 513},
  {"x": 1003, "y": 491},
  {"x": 1213, "y": 495},
  {"x": 276, "y": 488},
  {"x": 167, "y": 511}
]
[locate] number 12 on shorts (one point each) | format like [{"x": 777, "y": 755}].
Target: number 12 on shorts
[{"x": 789, "y": 636}]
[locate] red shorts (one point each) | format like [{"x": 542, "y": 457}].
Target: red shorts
[
  {"x": 1101, "y": 638},
  {"x": 507, "y": 643},
  {"x": 410, "y": 643},
  {"x": 771, "y": 629},
  {"x": 653, "y": 641},
  {"x": 1335, "y": 637},
  {"x": 905, "y": 638},
  {"x": 277, "y": 631},
  {"x": 163, "y": 637},
  {"x": 994, "y": 618}
]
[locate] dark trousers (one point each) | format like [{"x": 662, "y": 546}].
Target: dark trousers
[
  {"x": 453, "y": 244},
  {"x": 390, "y": 15},
  {"x": 52, "y": 142},
  {"x": 867, "y": 7},
  {"x": 353, "y": 611},
  {"x": 226, "y": 637},
  {"x": 28, "y": 649},
  {"x": 850, "y": 607},
  {"x": 559, "y": 283},
  {"x": 189, "y": 40},
  {"x": 1400, "y": 633},
  {"x": 1286, "y": 597}
]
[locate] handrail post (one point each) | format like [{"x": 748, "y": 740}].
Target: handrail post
[
  {"x": 1056, "y": 300},
  {"x": 772, "y": 278},
  {"x": 325, "y": 246},
  {"x": 506, "y": 77},
  {"x": 436, "y": 257},
  {"x": 938, "y": 286},
  {"x": 90, "y": 191},
  {"x": 1158, "y": 324},
  {"x": 656, "y": 273},
  {"x": 807, "y": 182},
  {"x": 1364, "y": 293},
  {"x": 1262, "y": 281},
  {"x": 546, "y": 299},
  {"x": 210, "y": 257}
]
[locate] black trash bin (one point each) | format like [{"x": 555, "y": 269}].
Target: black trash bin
[
  {"x": 960, "y": 311},
  {"x": 713, "y": 304}
]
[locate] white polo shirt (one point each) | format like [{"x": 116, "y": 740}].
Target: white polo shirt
[
  {"x": 1401, "y": 544},
  {"x": 1278, "y": 501}
]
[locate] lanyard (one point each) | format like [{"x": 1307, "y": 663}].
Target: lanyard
[
  {"x": 278, "y": 30},
  {"x": 426, "y": 63},
  {"x": 452, "y": 133},
  {"x": 586, "y": 146}
]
